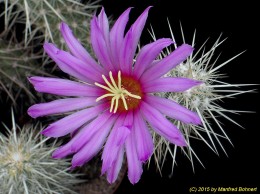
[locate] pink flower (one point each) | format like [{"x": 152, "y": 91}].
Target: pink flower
[{"x": 114, "y": 96}]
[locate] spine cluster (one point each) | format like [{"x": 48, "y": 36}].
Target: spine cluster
[
  {"x": 26, "y": 165},
  {"x": 205, "y": 99}
]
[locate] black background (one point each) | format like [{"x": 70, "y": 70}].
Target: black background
[{"x": 239, "y": 22}]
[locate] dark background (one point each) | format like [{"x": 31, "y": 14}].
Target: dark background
[{"x": 239, "y": 22}]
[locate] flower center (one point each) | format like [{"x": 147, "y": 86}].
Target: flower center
[{"x": 124, "y": 92}]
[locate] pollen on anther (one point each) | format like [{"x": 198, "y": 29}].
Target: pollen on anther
[{"x": 115, "y": 92}]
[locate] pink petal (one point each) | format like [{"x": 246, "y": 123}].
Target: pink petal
[
  {"x": 148, "y": 54},
  {"x": 117, "y": 35},
  {"x": 103, "y": 24},
  {"x": 63, "y": 87},
  {"x": 60, "y": 106},
  {"x": 161, "y": 125},
  {"x": 79, "y": 66},
  {"x": 111, "y": 147},
  {"x": 66, "y": 149},
  {"x": 91, "y": 148},
  {"x": 77, "y": 49},
  {"x": 113, "y": 171},
  {"x": 63, "y": 151},
  {"x": 130, "y": 43},
  {"x": 143, "y": 138},
  {"x": 134, "y": 164},
  {"x": 123, "y": 131},
  {"x": 72, "y": 122},
  {"x": 72, "y": 65},
  {"x": 168, "y": 63},
  {"x": 173, "y": 109},
  {"x": 87, "y": 132},
  {"x": 169, "y": 84},
  {"x": 54, "y": 52},
  {"x": 129, "y": 120},
  {"x": 100, "y": 47}
]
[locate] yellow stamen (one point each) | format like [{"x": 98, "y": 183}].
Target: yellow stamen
[
  {"x": 119, "y": 80},
  {"x": 104, "y": 96},
  {"x": 116, "y": 106},
  {"x": 132, "y": 95},
  {"x": 104, "y": 87},
  {"x": 124, "y": 101},
  {"x": 107, "y": 82},
  {"x": 116, "y": 92},
  {"x": 112, "y": 80},
  {"x": 112, "y": 103}
]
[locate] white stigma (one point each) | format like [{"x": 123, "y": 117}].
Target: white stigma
[{"x": 116, "y": 91}]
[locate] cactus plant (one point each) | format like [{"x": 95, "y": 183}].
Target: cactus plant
[
  {"x": 203, "y": 99},
  {"x": 16, "y": 63},
  {"x": 45, "y": 16},
  {"x": 26, "y": 165}
]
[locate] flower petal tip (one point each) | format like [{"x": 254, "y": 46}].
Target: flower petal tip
[
  {"x": 50, "y": 49},
  {"x": 196, "y": 120},
  {"x": 72, "y": 167},
  {"x": 102, "y": 10},
  {"x": 198, "y": 82},
  {"x": 49, "y": 132},
  {"x": 74, "y": 147},
  {"x": 33, "y": 80},
  {"x": 47, "y": 45},
  {"x": 180, "y": 142},
  {"x": 187, "y": 46},
  {"x": 134, "y": 180},
  {"x": 145, "y": 157},
  {"x": 31, "y": 112},
  {"x": 149, "y": 7},
  {"x": 61, "y": 152},
  {"x": 102, "y": 172},
  {"x": 110, "y": 181},
  {"x": 65, "y": 29},
  {"x": 63, "y": 25},
  {"x": 56, "y": 154},
  {"x": 104, "y": 169},
  {"x": 44, "y": 132},
  {"x": 75, "y": 163}
]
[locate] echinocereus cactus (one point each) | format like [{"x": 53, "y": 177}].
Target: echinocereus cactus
[
  {"x": 26, "y": 165},
  {"x": 204, "y": 99},
  {"x": 113, "y": 96},
  {"x": 44, "y": 16},
  {"x": 17, "y": 61}
]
